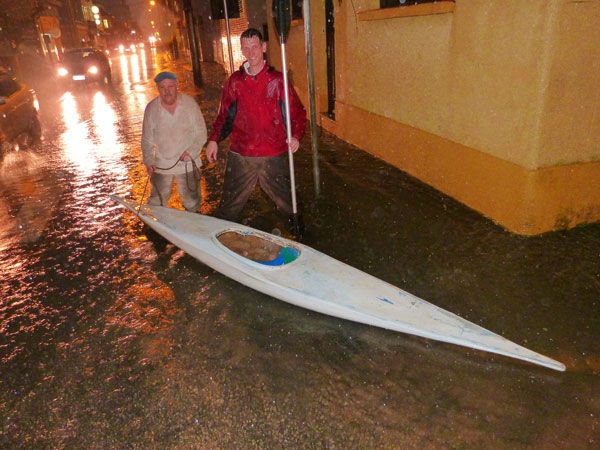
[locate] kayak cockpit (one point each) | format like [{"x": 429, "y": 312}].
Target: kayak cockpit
[{"x": 258, "y": 248}]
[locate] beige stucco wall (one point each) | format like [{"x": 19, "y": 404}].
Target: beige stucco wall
[
  {"x": 487, "y": 103},
  {"x": 498, "y": 60},
  {"x": 476, "y": 76},
  {"x": 570, "y": 120},
  {"x": 413, "y": 87},
  {"x": 514, "y": 79}
]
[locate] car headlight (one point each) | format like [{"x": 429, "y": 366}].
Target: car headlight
[
  {"x": 62, "y": 71},
  {"x": 93, "y": 69}
]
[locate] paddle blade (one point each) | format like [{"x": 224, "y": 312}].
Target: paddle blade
[{"x": 282, "y": 15}]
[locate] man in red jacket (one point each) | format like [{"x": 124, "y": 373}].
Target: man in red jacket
[{"x": 253, "y": 111}]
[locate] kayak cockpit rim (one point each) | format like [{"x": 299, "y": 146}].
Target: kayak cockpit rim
[{"x": 257, "y": 248}]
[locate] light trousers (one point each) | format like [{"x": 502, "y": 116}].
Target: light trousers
[{"x": 188, "y": 186}]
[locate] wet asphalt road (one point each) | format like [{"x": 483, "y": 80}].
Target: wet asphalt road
[{"x": 113, "y": 338}]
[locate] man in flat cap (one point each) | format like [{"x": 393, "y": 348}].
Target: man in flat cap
[{"x": 173, "y": 134}]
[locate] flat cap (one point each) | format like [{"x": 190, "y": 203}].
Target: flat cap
[{"x": 165, "y": 76}]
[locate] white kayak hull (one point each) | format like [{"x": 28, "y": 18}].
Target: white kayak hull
[{"x": 320, "y": 283}]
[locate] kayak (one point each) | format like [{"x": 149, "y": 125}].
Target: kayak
[{"x": 305, "y": 277}]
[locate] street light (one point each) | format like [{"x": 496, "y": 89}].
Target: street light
[{"x": 96, "y": 13}]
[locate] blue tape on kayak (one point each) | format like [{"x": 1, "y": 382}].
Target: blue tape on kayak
[{"x": 286, "y": 255}]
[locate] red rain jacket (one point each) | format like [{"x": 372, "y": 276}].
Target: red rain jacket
[{"x": 253, "y": 111}]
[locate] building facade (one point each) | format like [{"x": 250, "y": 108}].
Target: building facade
[{"x": 494, "y": 103}]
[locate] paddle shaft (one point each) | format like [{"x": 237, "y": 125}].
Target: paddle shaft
[{"x": 288, "y": 127}]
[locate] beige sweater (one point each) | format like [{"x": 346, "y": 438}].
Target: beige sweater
[{"x": 166, "y": 136}]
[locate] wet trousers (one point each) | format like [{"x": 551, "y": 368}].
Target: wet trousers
[
  {"x": 187, "y": 184},
  {"x": 241, "y": 175}
]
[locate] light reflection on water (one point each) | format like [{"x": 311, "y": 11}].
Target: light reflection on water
[
  {"x": 29, "y": 196},
  {"x": 69, "y": 274},
  {"x": 135, "y": 68},
  {"x": 58, "y": 196},
  {"x": 75, "y": 142},
  {"x": 123, "y": 60},
  {"x": 105, "y": 121},
  {"x": 144, "y": 69}
]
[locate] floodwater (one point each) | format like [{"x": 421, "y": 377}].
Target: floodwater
[{"x": 113, "y": 338}]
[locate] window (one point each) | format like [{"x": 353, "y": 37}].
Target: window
[
  {"x": 393, "y": 9},
  {"x": 218, "y": 12},
  {"x": 394, "y": 3}
]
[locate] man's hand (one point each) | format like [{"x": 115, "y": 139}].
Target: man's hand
[
  {"x": 211, "y": 151},
  {"x": 185, "y": 156},
  {"x": 294, "y": 145},
  {"x": 150, "y": 170}
]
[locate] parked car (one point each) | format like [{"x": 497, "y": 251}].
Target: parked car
[
  {"x": 19, "y": 122},
  {"x": 85, "y": 64}
]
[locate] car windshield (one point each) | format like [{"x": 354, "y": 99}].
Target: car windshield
[
  {"x": 8, "y": 86},
  {"x": 79, "y": 55}
]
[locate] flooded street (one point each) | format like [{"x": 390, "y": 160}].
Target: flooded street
[{"x": 112, "y": 338}]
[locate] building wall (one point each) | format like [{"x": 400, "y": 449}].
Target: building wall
[
  {"x": 495, "y": 103},
  {"x": 570, "y": 122}
]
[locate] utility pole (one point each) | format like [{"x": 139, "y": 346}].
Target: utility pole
[
  {"x": 191, "y": 27},
  {"x": 226, "y": 13},
  {"x": 311, "y": 94}
]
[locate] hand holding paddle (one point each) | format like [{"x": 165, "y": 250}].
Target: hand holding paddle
[{"x": 294, "y": 145}]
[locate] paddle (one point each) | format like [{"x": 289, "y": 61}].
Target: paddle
[{"x": 282, "y": 18}]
